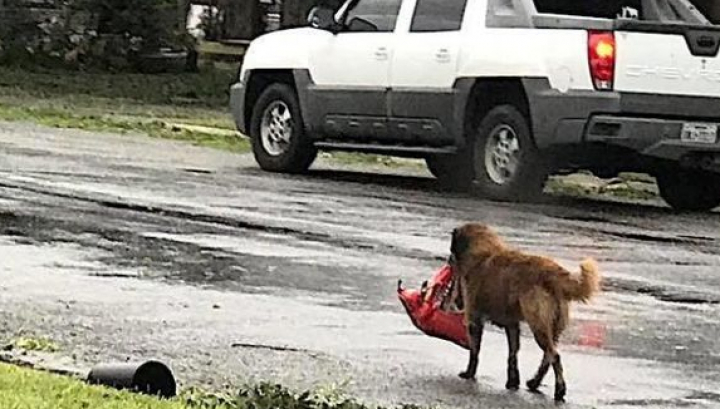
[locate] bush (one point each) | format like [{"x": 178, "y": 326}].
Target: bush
[{"x": 105, "y": 34}]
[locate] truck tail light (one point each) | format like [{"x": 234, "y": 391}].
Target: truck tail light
[{"x": 601, "y": 57}]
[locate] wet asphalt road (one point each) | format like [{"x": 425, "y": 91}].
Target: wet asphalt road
[{"x": 126, "y": 247}]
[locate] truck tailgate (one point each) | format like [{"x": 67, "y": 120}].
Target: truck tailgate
[{"x": 671, "y": 59}]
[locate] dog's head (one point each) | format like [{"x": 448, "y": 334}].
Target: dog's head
[{"x": 475, "y": 239}]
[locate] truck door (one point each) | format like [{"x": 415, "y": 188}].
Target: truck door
[{"x": 423, "y": 70}]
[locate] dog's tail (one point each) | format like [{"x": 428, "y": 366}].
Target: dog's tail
[{"x": 582, "y": 287}]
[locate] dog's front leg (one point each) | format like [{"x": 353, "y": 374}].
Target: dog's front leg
[
  {"x": 475, "y": 333},
  {"x": 512, "y": 332}
]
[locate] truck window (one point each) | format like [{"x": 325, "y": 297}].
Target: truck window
[
  {"x": 610, "y": 9},
  {"x": 437, "y": 15},
  {"x": 372, "y": 16},
  {"x": 648, "y": 10}
]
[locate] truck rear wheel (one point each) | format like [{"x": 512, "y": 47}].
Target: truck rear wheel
[
  {"x": 508, "y": 166},
  {"x": 277, "y": 134},
  {"x": 689, "y": 190},
  {"x": 454, "y": 172}
]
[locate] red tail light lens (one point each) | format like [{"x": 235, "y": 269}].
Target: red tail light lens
[{"x": 601, "y": 56}]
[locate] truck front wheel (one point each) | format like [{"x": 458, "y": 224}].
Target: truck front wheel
[
  {"x": 508, "y": 166},
  {"x": 689, "y": 190},
  {"x": 277, "y": 134}
]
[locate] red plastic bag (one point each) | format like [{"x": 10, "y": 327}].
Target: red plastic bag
[{"x": 430, "y": 308}]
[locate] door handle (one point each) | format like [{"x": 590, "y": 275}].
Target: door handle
[
  {"x": 381, "y": 53},
  {"x": 442, "y": 55}
]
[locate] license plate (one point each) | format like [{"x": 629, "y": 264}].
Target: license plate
[{"x": 699, "y": 133}]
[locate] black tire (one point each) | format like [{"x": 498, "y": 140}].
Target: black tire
[
  {"x": 689, "y": 190},
  {"x": 527, "y": 180},
  {"x": 294, "y": 156},
  {"x": 454, "y": 172}
]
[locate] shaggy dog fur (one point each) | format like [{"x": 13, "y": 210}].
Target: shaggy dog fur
[{"x": 504, "y": 286}]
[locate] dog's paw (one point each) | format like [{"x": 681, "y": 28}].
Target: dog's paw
[
  {"x": 512, "y": 384},
  {"x": 533, "y": 385},
  {"x": 560, "y": 391},
  {"x": 467, "y": 376}
]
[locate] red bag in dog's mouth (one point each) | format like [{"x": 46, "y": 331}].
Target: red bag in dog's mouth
[{"x": 431, "y": 308}]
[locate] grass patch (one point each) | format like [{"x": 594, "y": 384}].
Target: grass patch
[
  {"x": 124, "y": 103},
  {"x": 627, "y": 191},
  {"x": 351, "y": 158},
  {"x": 559, "y": 186},
  {"x": 634, "y": 188},
  {"x": 36, "y": 344},
  {"x": 60, "y": 118},
  {"x": 209, "y": 88},
  {"x": 22, "y": 388}
]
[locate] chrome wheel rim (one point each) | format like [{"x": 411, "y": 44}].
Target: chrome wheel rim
[
  {"x": 502, "y": 154},
  {"x": 276, "y": 128}
]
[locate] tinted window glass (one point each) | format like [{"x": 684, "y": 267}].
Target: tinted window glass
[
  {"x": 373, "y": 15},
  {"x": 438, "y": 15},
  {"x": 610, "y": 9}
]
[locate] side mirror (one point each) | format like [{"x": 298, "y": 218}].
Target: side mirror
[{"x": 322, "y": 18}]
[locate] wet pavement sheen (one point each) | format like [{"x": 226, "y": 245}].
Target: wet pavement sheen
[{"x": 123, "y": 246}]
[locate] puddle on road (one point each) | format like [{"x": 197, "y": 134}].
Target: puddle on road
[{"x": 255, "y": 262}]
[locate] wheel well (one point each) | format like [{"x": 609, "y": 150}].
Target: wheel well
[
  {"x": 258, "y": 81},
  {"x": 488, "y": 93}
]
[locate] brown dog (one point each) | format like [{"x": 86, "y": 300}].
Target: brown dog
[{"x": 505, "y": 287}]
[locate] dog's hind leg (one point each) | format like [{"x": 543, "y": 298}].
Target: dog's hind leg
[
  {"x": 538, "y": 311},
  {"x": 559, "y": 326},
  {"x": 513, "y": 374},
  {"x": 560, "y": 387},
  {"x": 475, "y": 332},
  {"x": 547, "y": 360}
]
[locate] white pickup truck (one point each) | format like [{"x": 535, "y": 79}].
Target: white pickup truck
[{"x": 499, "y": 93}]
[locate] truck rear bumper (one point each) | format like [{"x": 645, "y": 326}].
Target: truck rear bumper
[
  {"x": 648, "y": 136},
  {"x": 648, "y": 124}
]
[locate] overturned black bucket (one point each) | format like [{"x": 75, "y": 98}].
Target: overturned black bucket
[{"x": 150, "y": 378}]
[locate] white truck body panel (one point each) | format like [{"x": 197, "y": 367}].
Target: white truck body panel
[
  {"x": 352, "y": 60},
  {"x": 662, "y": 63}
]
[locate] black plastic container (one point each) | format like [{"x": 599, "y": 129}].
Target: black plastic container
[{"x": 150, "y": 378}]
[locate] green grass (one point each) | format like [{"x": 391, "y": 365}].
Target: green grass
[
  {"x": 34, "y": 344},
  {"x": 22, "y": 388},
  {"x": 159, "y": 128},
  {"x": 209, "y": 88},
  {"x": 124, "y": 103},
  {"x": 623, "y": 189},
  {"x": 26, "y": 389},
  {"x": 349, "y": 158}
]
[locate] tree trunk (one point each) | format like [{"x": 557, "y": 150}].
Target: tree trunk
[
  {"x": 243, "y": 19},
  {"x": 294, "y": 12}
]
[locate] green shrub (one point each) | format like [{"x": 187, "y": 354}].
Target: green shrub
[{"x": 105, "y": 34}]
